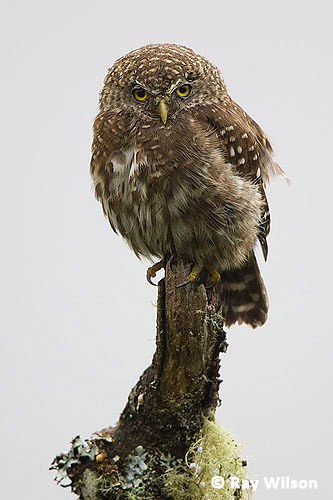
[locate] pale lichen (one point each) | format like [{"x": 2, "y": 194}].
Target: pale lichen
[
  {"x": 135, "y": 469},
  {"x": 215, "y": 320},
  {"x": 79, "y": 451},
  {"x": 215, "y": 453},
  {"x": 89, "y": 485},
  {"x": 148, "y": 476}
]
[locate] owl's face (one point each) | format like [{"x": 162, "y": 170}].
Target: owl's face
[{"x": 156, "y": 82}]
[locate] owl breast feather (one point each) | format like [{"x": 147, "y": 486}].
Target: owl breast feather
[{"x": 204, "y": 214}]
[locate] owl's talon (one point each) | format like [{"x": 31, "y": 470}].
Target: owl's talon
[
  {"x": 215, "y": 277},
  {"x": 191, "y": 277},
  {"x": 183, "y": 283},
  {"x": 151, "y": 271},
  {"x": 149, "y": 278}
]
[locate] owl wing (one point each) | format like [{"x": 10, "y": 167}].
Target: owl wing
[
  {"x": 109, "y": 139},
  {"x": 246, "y": 146}
]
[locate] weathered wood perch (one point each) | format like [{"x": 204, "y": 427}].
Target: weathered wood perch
[{"x": 166, "y": 410}]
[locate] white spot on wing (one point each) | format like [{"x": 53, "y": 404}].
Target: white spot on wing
[
  {"x": 121, "y": 163},
  {"x": 244, "y": 307},
  {"x": 255, "y": 296},
  {"x": 236, "y": 287},
  {"x": 134, "y": 166}
]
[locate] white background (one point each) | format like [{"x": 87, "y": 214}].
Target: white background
[{"x": 77, "y": 318}]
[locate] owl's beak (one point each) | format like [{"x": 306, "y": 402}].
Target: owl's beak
[{"x": 163, "y": 110}]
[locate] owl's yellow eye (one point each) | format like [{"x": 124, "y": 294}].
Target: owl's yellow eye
[
  {"x": 184, "y": 90},
  {"x": 140, "y": 94}
]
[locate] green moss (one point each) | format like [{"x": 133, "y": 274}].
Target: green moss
[
  {"x": 214, "y": 454},
  {"x": 215, "y": 320}
]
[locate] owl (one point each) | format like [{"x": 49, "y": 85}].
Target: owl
[{"x": 180, "y": 170}]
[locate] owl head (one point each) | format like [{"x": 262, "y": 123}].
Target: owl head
[{"x": 157, "y": 82}]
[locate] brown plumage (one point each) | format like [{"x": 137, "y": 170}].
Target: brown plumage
[{"x": 180, "y": 169}]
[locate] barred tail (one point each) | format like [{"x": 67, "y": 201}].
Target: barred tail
[{"x": 244, "y": 295}]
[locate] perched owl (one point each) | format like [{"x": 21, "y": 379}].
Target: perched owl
[{"x": 180, "y": 170}]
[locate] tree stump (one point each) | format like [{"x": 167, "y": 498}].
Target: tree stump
[{"x": 166, "y": 410}]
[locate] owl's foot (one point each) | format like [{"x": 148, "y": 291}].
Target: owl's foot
[
  {"x": 151, "y": 271},
  {"x": 191, "y": 277},
  {"x": 215, "y": 277}
]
